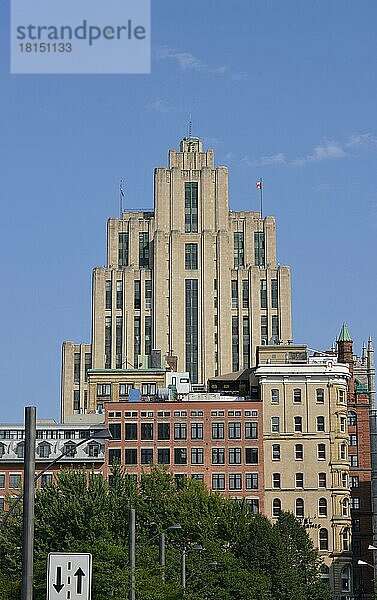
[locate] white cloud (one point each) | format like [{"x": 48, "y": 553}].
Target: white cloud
[
  {"x": 326, "y": 151},
  {"x": 361, "y": 139},
  {"x": 189, "y": 62},
  {"x": 264, "y": 161},
  {"x": 161, "y": 106}
]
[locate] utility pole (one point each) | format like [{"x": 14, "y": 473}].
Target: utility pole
[
  {"x": 162, "y": 554},
  {"x": 132, "y": 551},
  {"x": 28, "y": 503}
]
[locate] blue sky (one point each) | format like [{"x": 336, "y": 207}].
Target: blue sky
[{"x": 283, "y": 90}]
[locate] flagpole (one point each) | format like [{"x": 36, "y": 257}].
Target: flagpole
[{"x": 261, "y": 197}]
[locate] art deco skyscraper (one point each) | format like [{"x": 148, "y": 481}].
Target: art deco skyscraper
[{"x": 190, "y": 278}]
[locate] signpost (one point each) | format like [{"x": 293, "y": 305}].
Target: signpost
[{"x": 69, "y": 576}]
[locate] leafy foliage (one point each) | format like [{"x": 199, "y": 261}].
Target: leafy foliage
[{"x": 244, "y": 556}]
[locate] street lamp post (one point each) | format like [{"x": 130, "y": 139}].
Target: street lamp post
[
  {"x": 184, "y": 552},
  {"x": 162, "y": 540}
]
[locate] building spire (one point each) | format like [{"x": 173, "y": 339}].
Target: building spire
[{"x": 344, "y": 335}]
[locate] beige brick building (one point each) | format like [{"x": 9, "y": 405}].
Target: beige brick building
[
  {"x": 306, "y": 465},
  {"x": 191, "y": 278}
]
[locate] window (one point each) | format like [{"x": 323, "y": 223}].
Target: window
[
  {"x": 344, "y": 480},
  {"x": 275, "y": 396},
  {"x": 235, "y": 345},
  {"x": 148, "y": 389},
  {"x": 355, "y": 503},
  {"x": 275, "y": 425},
  {"x": 276, "y": 507},
  {"x": 2, "y": 481},
  {"x": 131, "y": 456},
  {"x": 354, "y": 481},
  {"x": 276, "y": 480},
  {"x": 322, "y": 480},
  {"x": 299, "y": 507},
  {"x": 299, "y": 452},
  {"x": 251, "y": 481},
  {"x": 259, "y": 249},
  {"x": 245, "y": 342},
  {"x": 143, "y": 250},
  {"x": 343, "y": 452},
  {"x": 299, "y": 480},
  {"x": 322, "y": 507},
  {"x": 148, "y": 335},
  {"x": 180, "y": 456},
  {"x": 251, "y": 456},
  {"x": 191, "y": 207},
  {"x": 345, "y": 576},
  {"x": 180, "y": 431},
  {"x": 196, "y": 431},
  {"x": 234, "y": 430},
  {"x": 131, "y": 431},
  {"x": 352, "y": 419},
  {"x": 164, "y": 456},
  {"x": 346, "y": 540},
  {"x": 297, "y": 396},
  {"x": 147, "y": 431},
  {"x": 76, "y": 400},
  {"x": 245, "y": 293},
  {"x": 345, "y": 507},
  {"x": 123, "y": 249},
  {"x": 14, "y": 481},
  {"x": 108, "y": 336},
  {"x": 124, "y": 388},
  {"x": 342, "y": 396},
  {"x": 218, "y": 481},
  {"x": 235, "y": 481},
  {"x": 253, "y": 504},
  {"x": 320, "y": 423},
  {"x": 323, "y": 539},
  {"x": 356, "y": 548},
  {"x": 69, "y": 450},
  {"x": 218, "y": 456},
  {"x": 93, "y": 450},
  {"x": 46, "y": 479},
  {"x": 191, "y": 327},
  {"x": 20, "y": 450},
  {"x": 264, "y": 329},
  {"x": 263, "y": 293},
  {"x": 103, "y": 389},
  {"x": 320, "y": 395},
  {"x": 274, "y": 293},
  {"x": 118, "y": 342},
  {"x": 234, "y": 456},
  {"x": 197, "y": 456},
  {"x": 76, "y": 367},
  {"x": 108, "y": 294},
  {"x": 356, "y": 525},
  {"x": 163, "y": 431},
  {"x": 116, "y": 431},
  {"x": 298, "y": 423},
  {"x": 238, "y": 249},
  {"x": 146, "y": 456},
  {"x": 114, "y": 456},
  {"x": 354, "y": 460},
  {"x": 137, "y": 294},
  {"x": 275, "y": 451},
  {"x": 191, "y": 256},
  {"x": 353, "y": 440},
  {"x": 217, "y": 431},
  {"x": 88, "y": 365},
  {"x": 44, "y": 450},
  {"x": 321, "y": 452},
  {"x": 251, "y": 430},
  {"x": 275, "y": 329},
  {"x": 119, "y": 296}
]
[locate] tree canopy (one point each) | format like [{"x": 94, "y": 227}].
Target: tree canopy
[{"x": 244, "y": 556}]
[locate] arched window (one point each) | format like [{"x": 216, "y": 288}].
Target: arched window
[
  {"x": 276, "y": 507},
  {"x": 322, "y": 507},
  {"x": 345, "y": 505},
  {"x": 2, "y": 450},
  {"x": 325, "y": 572},
  {"x": 44, "y": 450},
  {"x": 352, "y": 418},
  {"x": 70, "y": 449},
  {"x": 20, "y": 450},
  {"x": 299, "y": 507},
  {"x": 323, "y": 539},
  {"x": 345, "y": 577},
  {"x": 346, "y": 539}
]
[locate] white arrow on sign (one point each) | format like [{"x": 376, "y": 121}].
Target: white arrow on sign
[{"x": 69, "y": 576}]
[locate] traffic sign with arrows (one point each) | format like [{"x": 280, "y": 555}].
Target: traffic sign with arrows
[{"x": 69, "y": 576}]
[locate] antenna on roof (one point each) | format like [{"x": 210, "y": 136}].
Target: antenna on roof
[
  {"x": 121, "y": 196},
  {"x": 189, "y": 126}
]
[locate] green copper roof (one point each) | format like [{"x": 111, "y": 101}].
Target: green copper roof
[{"x": 344, "y": 335}]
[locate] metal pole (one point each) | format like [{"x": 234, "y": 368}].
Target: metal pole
[
  {"x": 132, "y": 551},
  {"x": 162, "y": 555},
  {"x": 28, "y": 505},
  {"x": 373, "y": 448},
  {"x": 183, "y": 568}
]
